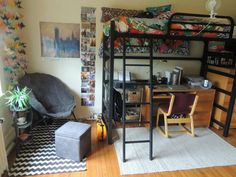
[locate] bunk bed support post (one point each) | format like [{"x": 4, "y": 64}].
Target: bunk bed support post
[
  {"x": 103, "y": 75},
  {"x": 203, "y": 70},
  {"x": 111, "y": 70},
  {"x": 231, "y": 108},
  {"x": 151, "y": 97},
  {"x": 124, "y": 102}
]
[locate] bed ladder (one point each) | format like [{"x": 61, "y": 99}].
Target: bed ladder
[{"x": 150, "y": 83}]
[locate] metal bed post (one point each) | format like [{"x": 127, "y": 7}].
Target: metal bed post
[
  {"x": 124, "y": 97},
  {"x": 111, "y": 72},
  {"x": 103, "y": 75},
  {"x": 203, "y": 71},
  {"x": 151, "y": 95}
]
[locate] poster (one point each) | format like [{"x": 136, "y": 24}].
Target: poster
[
  {"x": 88, "y": 55},
  {"x": 61, "y": 40}
]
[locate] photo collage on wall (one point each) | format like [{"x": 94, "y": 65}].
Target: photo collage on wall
[{"x": 88, "y": 55}]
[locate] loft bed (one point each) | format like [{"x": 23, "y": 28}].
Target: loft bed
[{"x": 179, "y": 27}]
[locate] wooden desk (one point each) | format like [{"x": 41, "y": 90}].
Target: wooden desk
[{"x": 203, "y": 109}]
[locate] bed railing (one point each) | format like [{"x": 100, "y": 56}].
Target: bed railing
[{"x": 198, "y": 25}]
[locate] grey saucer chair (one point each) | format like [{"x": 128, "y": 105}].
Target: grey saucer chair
[{"x": 49, "y": 97}]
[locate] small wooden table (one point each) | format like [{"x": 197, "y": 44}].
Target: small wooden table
[{"x": 203, "y": 110}]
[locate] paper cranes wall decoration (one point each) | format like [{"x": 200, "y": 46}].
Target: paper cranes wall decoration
[{"x": 13, "y": 49}]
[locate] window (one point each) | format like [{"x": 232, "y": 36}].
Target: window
[
  {"x": 1, "y": 62},
  {"x": 1, "y": 89},
  {"x": 1, "y": 78}
]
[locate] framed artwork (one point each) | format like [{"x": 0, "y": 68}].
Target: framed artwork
[{"x": 60, "y": 40}]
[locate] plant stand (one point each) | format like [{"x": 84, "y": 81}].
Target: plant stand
[{"x": 23, "y": 129}]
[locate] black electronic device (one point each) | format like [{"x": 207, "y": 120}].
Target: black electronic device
[{"x": 231, "y": 46}]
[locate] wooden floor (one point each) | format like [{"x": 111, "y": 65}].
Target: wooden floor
[{"x": 103, "y": 163}]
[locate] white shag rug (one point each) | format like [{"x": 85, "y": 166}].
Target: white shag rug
[{"x": 180, "y": 152}]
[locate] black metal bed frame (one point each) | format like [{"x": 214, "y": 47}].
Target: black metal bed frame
[{"x": 108, "y": 69}]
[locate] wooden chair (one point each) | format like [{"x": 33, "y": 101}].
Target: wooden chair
[{"x": 179, "y": 110}]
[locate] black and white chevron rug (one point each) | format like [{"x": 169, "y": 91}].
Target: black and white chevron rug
[{"x": 40, "y": 157}]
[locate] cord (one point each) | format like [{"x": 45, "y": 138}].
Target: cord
[{"x": 203, "y": 29}]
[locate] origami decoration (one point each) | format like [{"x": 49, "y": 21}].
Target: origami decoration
[{"x": 11, "y": 25}]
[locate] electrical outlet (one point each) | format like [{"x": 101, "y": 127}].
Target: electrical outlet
[{"x": 2, "y": 119}]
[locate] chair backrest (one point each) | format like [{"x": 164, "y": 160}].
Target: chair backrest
[
  {"x": 182, "y": 103},
  {"x": 49, "y": 91}
]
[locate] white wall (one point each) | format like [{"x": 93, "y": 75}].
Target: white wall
[
  {"x": 190, "y": 67},
  {"x": 68, "y": 70}
]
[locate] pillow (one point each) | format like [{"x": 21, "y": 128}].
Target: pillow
[
  {"x": 158, "y": 10},
  {"x": 109, "y": 13},
  {"x": 145, "y": 14}
]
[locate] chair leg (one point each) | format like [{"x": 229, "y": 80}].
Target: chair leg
[
  {"x": 192, "y": 126},
  {"x": 165, "y": 131},
  {"x": 184, "y": 128},
  {"x": 166, "y": 126},
  {"x": 159, "y": 127},
  {"x": 158, "y": 117},
  {"x": 74, "y": 115}
]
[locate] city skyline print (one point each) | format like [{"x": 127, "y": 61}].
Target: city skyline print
[{"x": 60, "y": 40}]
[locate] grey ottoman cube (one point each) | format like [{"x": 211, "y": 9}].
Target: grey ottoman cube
[{"x": 73, "y": 140}]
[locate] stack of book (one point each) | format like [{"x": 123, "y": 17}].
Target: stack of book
[{"x": 177, "y": 75}]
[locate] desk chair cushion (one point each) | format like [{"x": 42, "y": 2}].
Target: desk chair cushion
[{"x": 182, "y": 103}]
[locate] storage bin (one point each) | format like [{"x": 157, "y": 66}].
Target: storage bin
[{"x": 73, "y": 140}]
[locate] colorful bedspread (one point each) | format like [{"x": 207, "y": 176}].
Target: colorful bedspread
[
  {"x": 140, "y": 25},
  {"x": 159, "y": 26}
]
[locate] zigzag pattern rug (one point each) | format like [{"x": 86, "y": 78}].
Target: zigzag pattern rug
[{"x": 40, "y": 157}]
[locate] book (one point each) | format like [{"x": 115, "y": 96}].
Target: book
[
  {"x": 180, "y": 69},
  {"x": 175, "y": 77}
]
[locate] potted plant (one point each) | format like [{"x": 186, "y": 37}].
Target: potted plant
[
  {"x": 18, "y": 99},
  {"x": 18, "y": 102}
]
